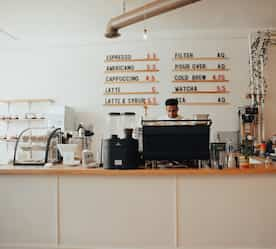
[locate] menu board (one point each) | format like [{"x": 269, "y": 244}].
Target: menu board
[
  {"x": 131, "y": 81},
  {"x": 196, "y": 79},
  {"x": 202, "y": 78}
]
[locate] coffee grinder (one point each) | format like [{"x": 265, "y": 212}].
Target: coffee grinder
[{"x": 120, "y": 149}]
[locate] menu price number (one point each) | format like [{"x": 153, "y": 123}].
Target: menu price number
[
  {"x": 221, "y": 55},
  {"x": 219, "y": 77},
  {"x": 181, "y": 100},
  {"x": 221, "y": 66},
  {"x": 221, "y": 100},
  {"x": 151, "y": 56}
]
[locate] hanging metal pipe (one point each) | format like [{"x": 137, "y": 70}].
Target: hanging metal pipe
[{"x": 142, "y": 13}]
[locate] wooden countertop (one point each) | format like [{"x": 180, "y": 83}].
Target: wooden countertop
[{"x": 60, "y": 171}]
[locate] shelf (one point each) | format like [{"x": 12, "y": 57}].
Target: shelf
[
  {"x": 130, "y": 104},
  {"x": 132, "y": 71},
  {"x": 23, "y": 119},
  {"x": 34, "y": 139},
  {"x": 33, "y": 148},
  {"x": 201, "y": 58},
  {"x": 200, "y": 81},
  {"x": 202, "y": 92},
  {"x": 204, "y": 103},
  {"x": 131, "y": 82},
  {"x": 129, "y": 93},
  {"x": 8, "y": 140},
  {"x": 202, "y": 70},
  {"x": 131, "y": 60},
  {"x": 7, "y": 101}
]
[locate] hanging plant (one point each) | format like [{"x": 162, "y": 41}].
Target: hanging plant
[{"x": 257, "y": 60}]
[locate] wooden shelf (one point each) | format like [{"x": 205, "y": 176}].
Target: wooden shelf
[
  {"x": 8, "y": 140},
  {"x": 130, "y": 104},
  {"x": 132, "y": 60},
  {"x": 204, "y": 103},
  {"x": 23, "y": 119},
  {"x": 33, "y": 138},
  {"x": 202, "y": 70},
  {"x": 200, "y": 81},
  {"x": 202, "y": 92},
  {"x": 201, "y": 58},
  {"x": 26, "y": 100},
  {"x": 132, "y": 71},
  {"x": 129, "y": 93},
  {"x": 131, "y": 82}
]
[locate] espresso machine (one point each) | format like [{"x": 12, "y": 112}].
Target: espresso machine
[{"x": 120, "y": 149}]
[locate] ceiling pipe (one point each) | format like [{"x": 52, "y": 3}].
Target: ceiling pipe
[{"x": 142, "y": 13}]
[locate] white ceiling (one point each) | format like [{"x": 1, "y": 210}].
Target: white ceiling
[{"x": 87, "y": 18}]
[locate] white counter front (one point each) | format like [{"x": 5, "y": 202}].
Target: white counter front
[{"x": 137, "y": 211}]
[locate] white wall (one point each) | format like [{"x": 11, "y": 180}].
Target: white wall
[{"x": 72, "y": 74}]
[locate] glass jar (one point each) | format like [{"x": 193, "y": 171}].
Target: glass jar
[
  {"x": 129, "y": 123},
  {"x": 114, "y": 125},
  {"x": 129, "y": 120},
  {"x": 218, "y": 155}
]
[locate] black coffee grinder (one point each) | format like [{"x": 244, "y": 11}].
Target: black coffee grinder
[{"x": 120, "y": 153}]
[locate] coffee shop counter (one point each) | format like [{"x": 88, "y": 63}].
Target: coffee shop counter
[
  {"x": 260, "y": 168},
  {"x": 146, "y": 208}
]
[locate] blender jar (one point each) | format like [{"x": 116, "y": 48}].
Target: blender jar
[
  {"x": 114, "y": 125},
  {"x": 129, "y": 122}
]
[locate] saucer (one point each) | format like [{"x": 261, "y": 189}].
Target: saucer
[{"x": 73, "y": 163}]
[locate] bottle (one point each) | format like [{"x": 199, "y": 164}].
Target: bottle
[
  {"x": 81, "y": 130},
  {"x": 231, "y": 163},
  {"x": 267, "y": 162},
  {"x": 262, "y": 148}
]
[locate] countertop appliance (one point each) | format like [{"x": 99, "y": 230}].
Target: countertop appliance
[
  {"x": 176, "y": 139},
  {"x": 120, "y": 152}
]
